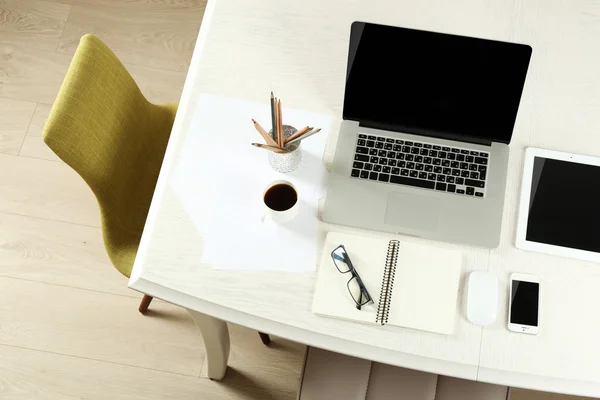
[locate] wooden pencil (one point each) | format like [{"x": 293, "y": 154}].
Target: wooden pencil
[
  {"x": 270, "y": 148},
  {"x": 264, "y": 134},
  {"x": 276, "y": 126},
  {"x": 298, "y": 134},
  {"x": 304, "y": 136},
  {"x": 280, "y": 126},
  {"x": 273, "y": 119}
]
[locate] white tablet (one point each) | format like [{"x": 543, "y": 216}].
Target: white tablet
[{"x": 559, "y": 212}]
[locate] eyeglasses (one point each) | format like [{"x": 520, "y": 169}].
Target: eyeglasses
[{"x": 356, "y": 287}]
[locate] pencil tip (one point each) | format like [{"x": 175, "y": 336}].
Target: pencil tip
[{"x": 253, "y": 120}]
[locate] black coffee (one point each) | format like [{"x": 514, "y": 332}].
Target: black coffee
[{"x": 281, "y": 197}]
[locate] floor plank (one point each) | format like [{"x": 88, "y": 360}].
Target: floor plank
[
  {"x": 15, "y": 116},
  {"x": 31, "y": 75},
  {"x": 158, "y": 85},
  {"x": 277, "y": 366},
  {"x": 172, "y": 10},
  {"x": 45, "y": 189},
  {"x": 98, "y": 326},
  {"x": 35, "y": 147},
  {"x": 40, "y": 115},
  {"x": 58, "y": 253},
  {"x": 136, "y": 38},
  {"x": 33, "y": 24},
  {"x": 35, "y": 375}
]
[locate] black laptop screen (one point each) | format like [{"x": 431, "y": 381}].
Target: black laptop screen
[{"x": 434, "y": 84}]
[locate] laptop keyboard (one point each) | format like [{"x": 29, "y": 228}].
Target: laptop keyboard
[{"x": 420, "y": 164}]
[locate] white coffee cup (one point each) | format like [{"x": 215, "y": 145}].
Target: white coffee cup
[{"x": 281, "y": 202}]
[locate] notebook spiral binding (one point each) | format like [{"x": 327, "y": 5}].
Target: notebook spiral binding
[{"x": 385, "y": 296}]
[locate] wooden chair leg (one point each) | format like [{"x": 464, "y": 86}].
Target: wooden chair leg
[
  {"x": 265, "y": 338},
  {"x": 145, "y": 303}
]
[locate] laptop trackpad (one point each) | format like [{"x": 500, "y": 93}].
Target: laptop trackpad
[{"x": 415, "y": 212}]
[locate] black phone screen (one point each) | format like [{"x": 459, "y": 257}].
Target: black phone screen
[{"x": 524, "y": 303}]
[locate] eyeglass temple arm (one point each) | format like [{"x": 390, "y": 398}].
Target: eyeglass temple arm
[
  {"x": 363, "y": 288},
  {"x": 358, "y": 305}
]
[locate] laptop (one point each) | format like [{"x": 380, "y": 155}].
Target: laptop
[{"x": 424, "y": 143}]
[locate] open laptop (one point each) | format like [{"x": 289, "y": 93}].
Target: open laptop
[{"x": 423, "y": 146}]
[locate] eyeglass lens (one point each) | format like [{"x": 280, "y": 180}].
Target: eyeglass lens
[
  {"x": 357, "y": 295},
  {"x": 339, "y": 258}
]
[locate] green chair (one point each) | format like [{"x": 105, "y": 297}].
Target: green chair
[{"x": 103, "y": 127}]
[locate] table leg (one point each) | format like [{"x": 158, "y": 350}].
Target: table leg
[{"x": 216, "y": 341}]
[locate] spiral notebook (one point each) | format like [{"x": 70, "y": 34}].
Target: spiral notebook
[{"x": 412, "y": 286}]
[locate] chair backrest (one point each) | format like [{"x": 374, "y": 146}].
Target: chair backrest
[{"x": 104, "y": 128}]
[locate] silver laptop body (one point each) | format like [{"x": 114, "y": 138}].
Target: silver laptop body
[
  {"x": 410, "y": 210},
  {"x": 443, "y": 199}
]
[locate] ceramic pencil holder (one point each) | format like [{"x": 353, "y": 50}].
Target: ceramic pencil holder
[{"x": 286, "y": 162}]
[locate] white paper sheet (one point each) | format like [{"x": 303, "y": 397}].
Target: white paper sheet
[{"x": 220, "y": 179}]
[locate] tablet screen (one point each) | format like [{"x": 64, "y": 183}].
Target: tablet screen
[{"x": 564, "y": 206}]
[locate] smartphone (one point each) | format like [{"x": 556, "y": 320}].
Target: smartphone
[{"x": 524, "y": 308}]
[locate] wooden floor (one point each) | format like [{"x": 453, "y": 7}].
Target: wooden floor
[{"x": 69, "y": 327}]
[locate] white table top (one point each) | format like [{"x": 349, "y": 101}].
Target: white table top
[{"x": 298, "y": 49}]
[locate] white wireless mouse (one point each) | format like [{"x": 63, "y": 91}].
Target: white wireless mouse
[{"x": 482, "y": 298}]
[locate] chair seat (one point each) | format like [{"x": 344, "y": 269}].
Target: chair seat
[{"x": 332, "y": 376}]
